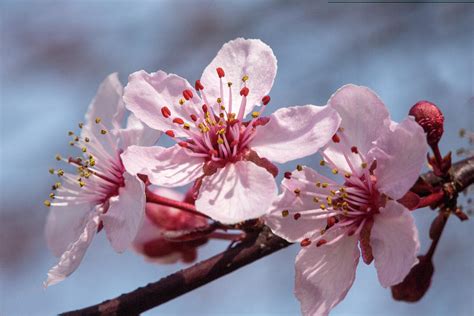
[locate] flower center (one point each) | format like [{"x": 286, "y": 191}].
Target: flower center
[
  {"x": 98, "y": 170},
  {"x": 215, "y": 132}
]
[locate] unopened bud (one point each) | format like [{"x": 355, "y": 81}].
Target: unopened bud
[{"x": 430, "y": 117}]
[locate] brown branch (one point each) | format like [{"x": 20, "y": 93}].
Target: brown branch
[{"x": 257, "y": 246}]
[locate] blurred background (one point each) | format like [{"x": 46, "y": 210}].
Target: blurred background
[{"x": 55, "y": 53}]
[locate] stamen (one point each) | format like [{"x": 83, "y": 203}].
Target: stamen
[
  {"x": 305, "y": 242},
  {"x": 220, "y": 72}
]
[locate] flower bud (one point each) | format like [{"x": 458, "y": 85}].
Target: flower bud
[{"x": 430, "y": 117}]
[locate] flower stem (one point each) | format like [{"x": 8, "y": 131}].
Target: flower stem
[
  {"x": 433, "y": 198},
  {"x": 161, "y": 200}
]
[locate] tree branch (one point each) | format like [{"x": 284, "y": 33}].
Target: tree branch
[{"x": 257, "y": 246}]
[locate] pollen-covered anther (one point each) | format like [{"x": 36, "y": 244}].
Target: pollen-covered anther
[
  {"x": 181, "y": 101},
  {"x": 60, "y": 172},
  {"x": 322, "y": 163},
  {"x": 315, "y": 200},
  {"x": 52, "y": 195},
  {"x": 335, "y": 171},
  {"x": 229, "y": 84},
  {"x": 170, "y": 133},
  {"x": 321, "y": 242},
  {"x": 219, "y": 100},
  {"x": 322, "y": 206},
  {"x": 165, "y": 111},
  {"x": 296, "y": 216},
  {"x": 187, "y": 94},
  {"x": 335, "y": 138},
  {"x": 98, "y": 120},
  {"x": 363, "y": 165},
  {"x": 244, "y": 91},
  {"x": 287, "y": 175},
  {"x": 51, "y": 170},
  {"x": 297, "y": 192},
  {"x": 84, "y": 149},
  {"x": 103, "y": 131},
  {"x": 266, "y": 100},
  {"x": 299, "y": 167},
  {"x": 58, "y": 157},
  {"x": 245, "y": 78},
  {"x": 70, "y": 133},
  {"x": 354, "y": 149},
  {"x": 193, "y": 117},
  {"x": 57, "y": 185},
  {"x": 324, "y": 185},
  {"x": 305, "y": 242},
  {"x": 47, "y": 203},
  {"x": 220, "y": 72},
  {"x": 285, "y": 213},
  {"x": 347, "y": 175},
  {"x": 81, "y": 125},
  {"x": 255, "y": 114}
]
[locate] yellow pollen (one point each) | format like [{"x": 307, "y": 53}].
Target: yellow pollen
[
  {"x": 103, "y": 131},
  {"x": 322, "y": 163},
  {"x": 342, "y": 189},
  {"x": 57, "y": 185},
  {"x": 332, "y": 192},
  {"x": 92, "y": 162},
  {"x": 220, "y": 141},
  {"x": 51, "y": 195},
  {"x": 219, "y": 100},
  {"x": 222, "y": 107},
  {"x": 345, "y": 205},
  {"x": 322, "y": 206},
  {"x": 47, "y": 203},
  {"x": 344, "y": 195},
  {"x": 329, "y": 200},
  {"x": 181, "y": 101},
  {"x": 299, "y": 167},
  {"x": 255, "y": 114},
  {"x": 245, "y": 78},
  {"x": 334, "y": 171},
  {"x": 285, "y": 213},
  {"x": 347, "y": 175},
  {"x": 221, "y": 131},
  {"x": 186, "y": 126},
  {"x": 322, "y": 231},
  {"x": 318, "y": 184},
  {"x": 60, "y": 172},
  {"x": 363, "y": 165},
  {"x": 81, "y": 125},
  {"x": 81, "y": 183},
  {"x": 58, "y": 157},
  {"x": 98, "y": 120},
  {"x": 324, "y": 185},
  {"x": 84, "y": 149},
  {"x": 51, "y": 170}
]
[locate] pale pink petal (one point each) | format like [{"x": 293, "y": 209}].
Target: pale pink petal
[
  {"x": 125, "y": 213},
  {"x": 295, "y": 217},
  {"x": 295, "y": 132},
  {"x": 107, "y": 105},
  {"x": 65, "y": 224},
  {"x": 137, "y": 133},
  {"x": 400, "y": 154},
  {"x": 237, "y": 192},
  {"x": 169, "y": 167},
  {"x": 239, "y": 58},
  {"x": 363, "y": 117},
  {"x": 72, "y": 256},
  {"x": 146, "y": 94},
  {"x": 395, "y": 244},
  {"x": 325, "y": 274}
]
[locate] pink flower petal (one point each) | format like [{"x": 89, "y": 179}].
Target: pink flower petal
[
  {"x": 295, "y": 132},
  {"x": 239, "y": 58},
  {"x": 65, "y": 224},
  {"x": 137, "y": 133},
  {"x": 363, "y": 117},
  {"x": 394, "y": 241},
  {"x": 295, "y": 217},
  {"x": 237, "y": 192},
  {"x": 147, "y": 94},
  {"x": 125, "y": 214},
  {"x": 107, "y": 105},
  {"x": 169, "y": 167},
  {"x": 72, "y": 256},
  {"x": 400, "y": 154},
  {"x": 325, "y": 274}
]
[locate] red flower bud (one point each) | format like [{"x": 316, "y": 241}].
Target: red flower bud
[{"x": 430, "y": 117}]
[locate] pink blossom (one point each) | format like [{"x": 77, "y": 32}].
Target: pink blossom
[
  {"x": 229, "y": 159},
  {"x": 101, "y": 193},
  {"x": 151, "y": 239},
  {"x": 379, "y": 161}
]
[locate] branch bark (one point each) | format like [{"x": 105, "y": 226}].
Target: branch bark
[{"x": 257, "y": 246}]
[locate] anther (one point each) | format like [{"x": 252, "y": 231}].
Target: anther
[
  {"x": 315, "y": 200},
  {"x": 187, "y": 94},
  {"x": 244, "y": 91},
  {"x": 297, "y": 192},
  {"x": 194, "y": 117},
  {"x": 84, "y": 149},
  {"x": 336, "y": 138},
  {"x": 245, "y": 78},
  {"x": 305, "y": 242},
  {"x": 57, "y": 185},
  {"x": 334, "y": 171},
  {"x": 255, "y": 114},
  {"x": 324, "y": 185},
  {"x": 170, "y": 133},
  {"x": 363, "y": 165},
  {"x": 287, "y": 174},
  {"x": 331, "y": 221},
  {"x": 266, "y": 100},
  {"x": 181, "y": 101},
  {"x": 51, "y": 170},
  {"x": 52, "y": 195},
  {"x": 229, "y": 84},
  {"x": 178, "y": 120},
  {"x": 60, "y": 172},
  {"x": 165, "y": 111},
  {"x": 204, "y": 108},
  {"x": 322, "y": 163},
  {"x": 183, "y": 144},
  {"x": 103, "y": 131},
  {"x": 219, "y": 100},
  {"x": 198, "y": 85},
  {"x": 86, "y": 139},
  {"x": 98, "y": 120},
  {"x": 296, "y": 216},
  {"x": 285, "y": 213},
  {"x": 70, "y": 133},
  {"x": 322, "y": 206},
  {"x": 81, "y": 125},
  {"x": 71, "y": 143},
  {"x": 186, "y": 126},
  {"x": 220, "y": 72},
  {"x": 58, "y": 157},
  {"x": 347, "y": 175},
  {"x": 354, "y": 150},
  {"x": 47, "y": 203},
  {"x": 299, "y": 167},
  {"x": 321, "y": 242}
]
